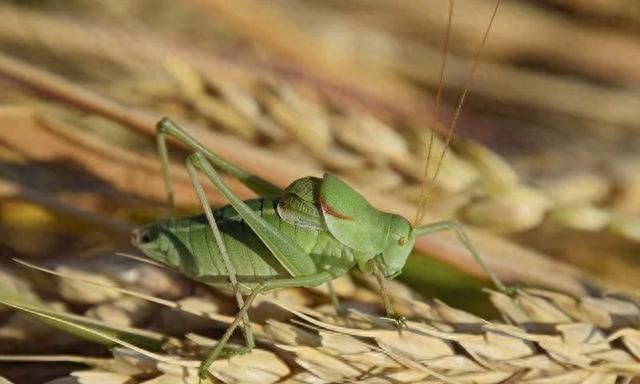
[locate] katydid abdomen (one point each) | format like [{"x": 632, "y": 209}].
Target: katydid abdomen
[{"x": 188, "y": 244}]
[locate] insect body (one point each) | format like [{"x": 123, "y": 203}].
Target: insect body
[
  {"x": 330, "y": 222},
  {"x": 308, "y": 234}
]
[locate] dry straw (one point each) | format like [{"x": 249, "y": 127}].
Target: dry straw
[{"x": 542, "y": 337}]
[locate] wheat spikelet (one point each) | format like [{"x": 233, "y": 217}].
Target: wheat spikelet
[{"x": 542, "y": 337}]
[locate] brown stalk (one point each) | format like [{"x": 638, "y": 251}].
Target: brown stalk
[
  {"x": 12, "y": 191},
  {"x": 526, "y": 87},
  {"x": 508, "y": 264},
  {"x": 541, "y": 35},
  {"x": 59, "y": 34},
  {"x": 45, "y": 139},
  {"x": 533, "y": 90}
]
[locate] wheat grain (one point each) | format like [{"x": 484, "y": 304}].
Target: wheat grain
[{"x": 543, "y": 337}]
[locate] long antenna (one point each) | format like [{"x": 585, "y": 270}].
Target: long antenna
[
  {"x": 425, "y": 178},
  {"x": 422, "y": 205}
]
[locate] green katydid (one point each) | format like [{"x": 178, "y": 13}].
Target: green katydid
[{"x": 308, "y": 234}]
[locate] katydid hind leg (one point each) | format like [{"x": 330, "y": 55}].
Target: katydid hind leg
[
  {"x": 161, "y": 144},
  {"x": 303, "y": 281},
  {"x": 203, "y": 371},
  {"x": 293, "y": 258},
  {"x": 166, "y": 127},
  {"x": 193, "y": 173},
  {"x": 464, "y": 239}
]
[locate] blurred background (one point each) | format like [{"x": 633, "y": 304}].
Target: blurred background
[{"x": 543, "y": 168}]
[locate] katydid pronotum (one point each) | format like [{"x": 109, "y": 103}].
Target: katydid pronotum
[{"x": 308, "y": 234}]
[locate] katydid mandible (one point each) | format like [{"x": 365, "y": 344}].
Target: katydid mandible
[{"x": 310, "y": 233}]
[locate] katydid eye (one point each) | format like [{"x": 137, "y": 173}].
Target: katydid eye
[
  {"x": 142, "y": 236},
  {"x": 402, "y": 241}
]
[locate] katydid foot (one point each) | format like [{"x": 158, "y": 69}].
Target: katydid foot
[
  {"x": 225, "y": 353},
  {"x": 231, "y": 350},
  {"x": 510, "y": 290},
  {"x": 399, "y": 321}
]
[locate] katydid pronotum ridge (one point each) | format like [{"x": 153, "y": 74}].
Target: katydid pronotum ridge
[{"x": 308, "y": 234}]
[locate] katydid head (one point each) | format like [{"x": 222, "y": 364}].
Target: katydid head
[
  {"x": 399, "y": 244},
  {"x": 155, "y": 242},
  {"x": 369, "y": 231}
]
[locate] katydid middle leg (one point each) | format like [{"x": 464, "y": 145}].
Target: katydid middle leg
[
  {"x": 462, "y": 236},
  {"x": 333, "y": 295}
]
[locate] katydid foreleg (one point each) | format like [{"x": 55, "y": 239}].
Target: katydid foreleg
[
  {"x": 400, "y": 321},
  {"x": 464, "y": 239}
]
